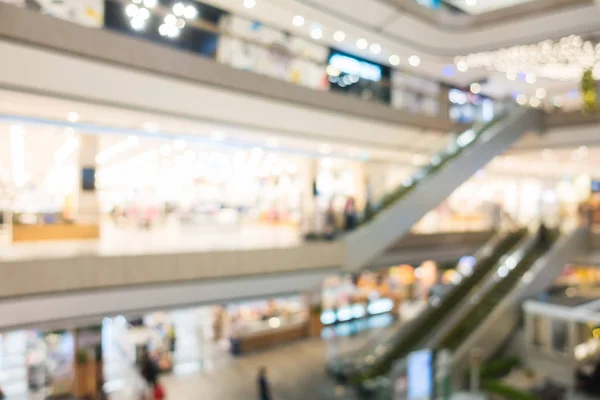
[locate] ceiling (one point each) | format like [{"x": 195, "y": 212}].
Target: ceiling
[
  {"x": 393, "y": 31},
  {"x": 483, "y": 6}
]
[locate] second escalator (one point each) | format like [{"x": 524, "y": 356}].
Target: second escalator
[
  {"x": 378, "y": 361},
  {"x": 509, "y": 274}
]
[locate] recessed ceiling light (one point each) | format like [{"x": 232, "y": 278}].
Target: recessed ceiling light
[
  {"x": 249, "y": 3},
  {"x": 522, "y": 99},
  {"x": 530, "y": 78},
  {"x": 190, "y": 12},
  {"x": 179, "y": 9},
  {"x": 375, "y": 48},
  {"x": 131, "y": 10},
  {"x": 150, "y": 3},
  {"x": 394, "y": 59},
  {"x": 339, "y": 36},
  {"x": 535, "y": 102},
  {"x": 72, "y": 117},
  {"x": 462, "y": 65},
  {"x": 298, "y": 20},
  {"x": 475, "y": 88},
  {"x": 316, "y": 33},
  {"x": 362, "y": 44},
  {"x": 511, "y": 75},
  {"x": 415, "y": 61},
  {"x": 540, "y": 93}
]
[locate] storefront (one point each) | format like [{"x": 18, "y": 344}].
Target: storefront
[
  {"x": 416, "y": 95},
  {"x": 252, "y": 46},
  {"x": 466, "y": 107},
  {"x": 356, "y": 76}
]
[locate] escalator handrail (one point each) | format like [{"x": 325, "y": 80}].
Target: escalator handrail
[
  {"x": 515, "y": 293},
  {"x": 517, "y": 255},
  {"x": 481, "y": 253},
  {"x": 480, "y": 290},
  {"x": 409, "y": 328}
]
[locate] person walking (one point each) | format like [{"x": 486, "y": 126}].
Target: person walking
[
  {"x": 264, "y": 387},
  {"x": 350, "y": 214},
  {"x": 2, "y": 395}
]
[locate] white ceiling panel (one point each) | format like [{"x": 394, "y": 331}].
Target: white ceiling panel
[{"x": 370, "y": 12}]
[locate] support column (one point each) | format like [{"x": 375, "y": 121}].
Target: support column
[{"x": 87, "y": 206}]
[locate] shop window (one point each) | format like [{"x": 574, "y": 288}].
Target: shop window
[
  {"x": 416, "y": 95},
  {"x": 352, "y": 75}
]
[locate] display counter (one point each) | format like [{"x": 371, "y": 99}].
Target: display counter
[
  {"x": 43, "y": 232},
  {"x": 271, "y": 332}
]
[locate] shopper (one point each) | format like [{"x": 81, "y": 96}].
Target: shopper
[
  {"x": 350, "y": 214},
  {"x": 543, "y": 236},
  {"x": 330, "y": 222},
  {"x": 2, "y": 395},
  {"x": 149, "y": 370},
  {"x": 264, "y": 388}
]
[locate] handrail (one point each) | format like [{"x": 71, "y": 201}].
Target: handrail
[
  {"x": 479, "y": 290},
  {"x": 415, "y": 327},
  {"x": 484, "y": 251}
]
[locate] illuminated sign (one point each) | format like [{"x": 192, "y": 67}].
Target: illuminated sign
[{"x": 355, "y": 67}]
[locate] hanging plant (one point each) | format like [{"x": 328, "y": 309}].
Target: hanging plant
[{"x": 589, "y": 92}]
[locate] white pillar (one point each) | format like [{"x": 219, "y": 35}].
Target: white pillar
[{"x": 88, "y": 210}]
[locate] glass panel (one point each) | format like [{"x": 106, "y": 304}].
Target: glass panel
[{"x": 559, "y": 336}]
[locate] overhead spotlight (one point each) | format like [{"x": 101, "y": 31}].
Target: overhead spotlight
[
  {"x": 475, "y": 88},
  {"x": 375, "y": 48},
  {"x": 316, "y": 33},
  {"x": 339, "y": 36},
  {"x": 415, "y": 61},
  {"x": 530, "y": 78},
  {"x": 362, "y": 43},
  {"x": 150, "y": 3},
  {"x": 540, "y": 93},
  {"x": 249, "y": 3},
  {"x": 394, "y": 59},
  {"x": 298, "y": 20}
]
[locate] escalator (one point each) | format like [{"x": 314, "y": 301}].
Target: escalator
[
  {"x": 376, "y": 360},
  {"x": 493, "y": 315},
  {"x": 508, "y": 278},
  {"x": 433, "y": 183}
]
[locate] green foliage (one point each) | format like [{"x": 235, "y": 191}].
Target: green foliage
[
  {"x": 589, "y": 92},
  {"x": 498, "y": 368}
]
